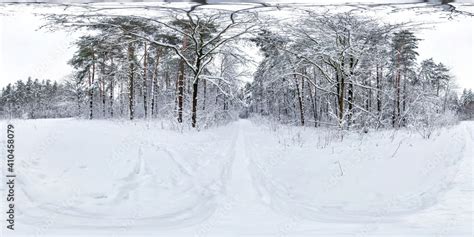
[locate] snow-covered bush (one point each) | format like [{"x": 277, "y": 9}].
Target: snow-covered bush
[{"x": 427, "y": 118}]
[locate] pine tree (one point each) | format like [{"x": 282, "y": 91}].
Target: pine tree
[{"x": 404, "y": 45}]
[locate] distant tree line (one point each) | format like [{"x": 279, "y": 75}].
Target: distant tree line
[
  {"x": 466, "y": 105},
  {"x": 35, "y": 99}
]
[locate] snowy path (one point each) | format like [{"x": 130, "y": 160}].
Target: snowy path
[
  {"x": 240, "y": 208},
  {"x": 242, "y": 180}
]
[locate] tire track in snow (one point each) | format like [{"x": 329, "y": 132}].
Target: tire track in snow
[
  {"x": 283, "y": 202},
  {"x": 200, "y": 210},
  {"x": 241, "y": 206}
]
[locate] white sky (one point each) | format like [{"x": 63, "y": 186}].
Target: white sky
[
  {"x": 452, "y": 44},
  {"x": 26, "y": 51}
]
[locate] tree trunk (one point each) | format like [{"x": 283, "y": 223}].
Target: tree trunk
[
  {"x": 131, "y": 66},
  {"x": 397, "y": 116},
  {"x": 204, "y": 95},
  {"x": 437, "y": 87},
  {"x": 91, "y": 91},
  {"x": 145, "y": 81},
  {"x": 111, "y": 96},
  {"x": 154, "y": 88},
  {"x": 350, "y": 90},
  {"x": 180, "y": 84},
  {"x": 404, "y": 100},
  {"x": 397, "y": 92},
  {"x": 195, "y": 90},
  {"x": 379, "y": 89},
  {"x": 340, "y": 98},
  {"x": 122, "y": 100},
  {"x": 78, "y": 98},
  {"x": 167, "y": 79},
  {"x": 103, "y": 97},
  {"x": 313, "y": 104},
  {"x": 194, "y": 105},
  {"x": 368, "y": 100},
  {"x": 300, "y": 100}
]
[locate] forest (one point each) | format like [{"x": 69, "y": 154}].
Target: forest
[{"x": 344, "y": 70}]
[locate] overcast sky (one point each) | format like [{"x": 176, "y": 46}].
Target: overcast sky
[{"x": 26, "y": 51}]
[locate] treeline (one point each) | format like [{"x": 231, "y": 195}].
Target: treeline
[
  {"x": 349, "y": 71},
  {"x": 466, "y": 105},
  {"x": 35, "y": 99},
  {"x": 342, "y": 70}
]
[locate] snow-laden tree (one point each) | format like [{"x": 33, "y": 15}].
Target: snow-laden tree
[
  {"x": 183, "y": 63},
  {"x": 352, "y": 71},
  {"x": 192, "y": 36}
]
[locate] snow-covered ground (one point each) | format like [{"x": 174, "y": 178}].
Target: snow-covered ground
[{"x": 96, "y": 178}]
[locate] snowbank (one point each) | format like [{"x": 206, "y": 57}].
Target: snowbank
[{"x": 316, "y": 174}]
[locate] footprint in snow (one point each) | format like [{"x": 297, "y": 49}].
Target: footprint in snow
[{"x": 100, "y": 196}]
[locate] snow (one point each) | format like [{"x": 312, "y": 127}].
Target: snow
[{"x": 95, "y": 178}]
